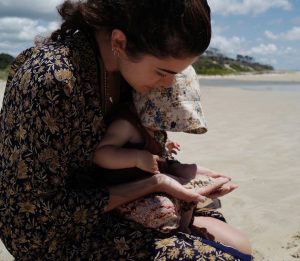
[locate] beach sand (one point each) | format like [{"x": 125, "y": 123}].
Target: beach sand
[{"x": 253, "y": 136}]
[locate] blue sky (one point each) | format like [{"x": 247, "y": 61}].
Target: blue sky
[{"x": 268, "y": 30}]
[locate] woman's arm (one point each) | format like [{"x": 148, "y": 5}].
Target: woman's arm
[
  {"x": 125, "y": 193},
  {"x": 168, "y": 184}
]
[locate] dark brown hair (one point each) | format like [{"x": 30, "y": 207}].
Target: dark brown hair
[{"x": 162, "y": 28}]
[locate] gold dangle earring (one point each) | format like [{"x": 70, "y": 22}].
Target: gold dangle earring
[{"x": 115, "y": 51}]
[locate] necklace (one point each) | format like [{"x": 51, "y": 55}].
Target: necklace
[{"x": 107, "y": 98}]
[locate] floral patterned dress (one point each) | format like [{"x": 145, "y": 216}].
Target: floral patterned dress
[{"x": 50, "y": 123}]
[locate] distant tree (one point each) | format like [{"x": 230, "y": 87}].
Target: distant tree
[
  {"x": 245, "y": 59},
  {"x": 213, "y": 52},
  {"x": 239, "y": 57},
  {"x": 249, "y": 59},
  {"x": 5, "y": 60}
]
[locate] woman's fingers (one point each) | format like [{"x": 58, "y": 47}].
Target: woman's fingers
[
  {"x": 207, "y": 190},
  {"x": 211, "y": 173},
  {"x": 225, "y": 189},
  {"x": 171, "y": 186},
  {"x": 220, "y": 175}
]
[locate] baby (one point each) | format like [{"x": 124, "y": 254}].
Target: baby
[{"x": 134, "y": 147}]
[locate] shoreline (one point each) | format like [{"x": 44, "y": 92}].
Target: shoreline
[{"x": 274, "y": 76}]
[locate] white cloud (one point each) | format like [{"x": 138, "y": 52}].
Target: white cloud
[
  {"x": 29, "y": 8},
  {"x": 263, "y": 49},
  {"x": 263, "y": 53},
  {"x": 226, "y": 7},
  {"x": 291, "y": 35},
  {"x": 23, "y": 29},
  {"x": 16, "y": 34},
  {"x": 22, "y": 21},
  {"x": 218, "y": 29},
  {"x": 229, "y": 46},
  {"x": 270, "y": 35}
]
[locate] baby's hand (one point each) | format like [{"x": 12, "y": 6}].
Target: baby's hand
[
  {"x": 147, "y": 162},
  {"x": 172, "y": 147}
]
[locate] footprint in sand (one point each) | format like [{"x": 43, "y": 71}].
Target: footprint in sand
[{"x": 293, "y": 246}]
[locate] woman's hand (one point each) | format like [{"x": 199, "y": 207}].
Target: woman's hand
[
  {"x": 221, "y": 187},
  {"x": 124, "y": 193},
  {"x": 127, "y": 192},
  {"x": 173, "y": 186}
]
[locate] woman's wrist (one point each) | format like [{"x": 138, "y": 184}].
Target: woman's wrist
[
  {"x": 157, "y": 182},
  {"x": 124, "y": 193}
]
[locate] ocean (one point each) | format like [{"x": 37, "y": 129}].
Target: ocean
[{"x": 252, "y": 85}]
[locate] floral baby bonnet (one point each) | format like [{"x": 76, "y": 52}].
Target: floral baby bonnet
[{"x": 176, "y": 108}]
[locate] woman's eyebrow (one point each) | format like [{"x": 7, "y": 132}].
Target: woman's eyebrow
[{"x": 168, "y": 71}]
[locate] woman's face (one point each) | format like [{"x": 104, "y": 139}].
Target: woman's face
[{"x": 151, "y": 72}]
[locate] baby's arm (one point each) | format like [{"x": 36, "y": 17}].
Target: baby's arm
[{"x": 110, "y": 154}]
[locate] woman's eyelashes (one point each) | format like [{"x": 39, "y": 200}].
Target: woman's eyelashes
[{"x": 161, "y": 74}]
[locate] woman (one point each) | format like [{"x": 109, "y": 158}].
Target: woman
[{"x": 56, "y": 99}]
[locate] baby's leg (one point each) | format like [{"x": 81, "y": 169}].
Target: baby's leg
[{"x": 214, "y": 229}]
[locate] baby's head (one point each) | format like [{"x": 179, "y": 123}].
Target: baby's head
[{"x": 176, "y": 108}]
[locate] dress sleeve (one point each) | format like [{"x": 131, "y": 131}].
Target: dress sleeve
[{"x": 47, "y": 134}]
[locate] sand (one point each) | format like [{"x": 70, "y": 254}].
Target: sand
[
  {"x": 2, "y": 86},
  {"x": 254, "y": 137}
]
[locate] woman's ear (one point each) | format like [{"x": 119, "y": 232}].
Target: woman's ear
[{"x": 118, "y": 43}]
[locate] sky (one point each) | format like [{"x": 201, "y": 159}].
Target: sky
[{"x": 267, "y": 30}]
